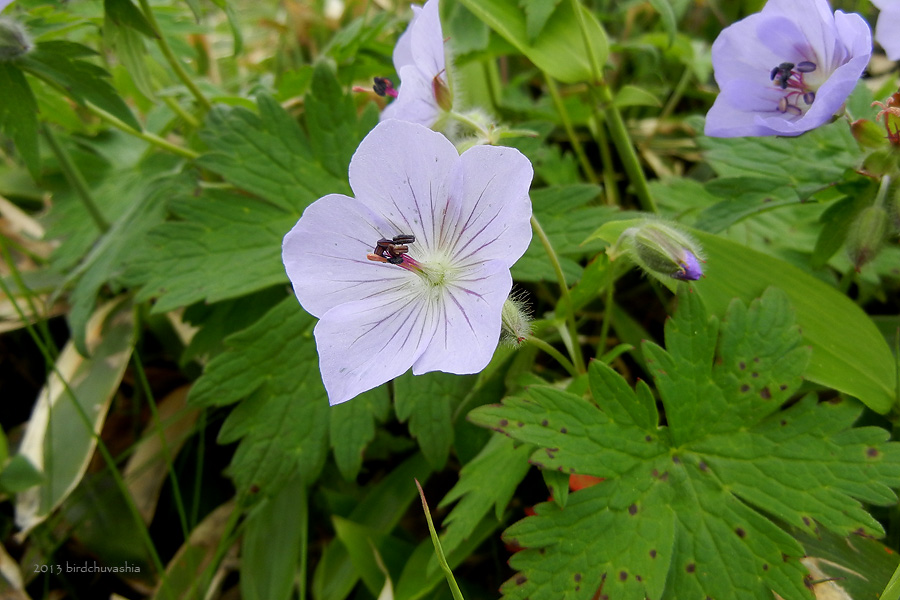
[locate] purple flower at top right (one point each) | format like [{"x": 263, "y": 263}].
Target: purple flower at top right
[
  {"x": 887, "y": 29},
  {"x": 787, "y": 69}
]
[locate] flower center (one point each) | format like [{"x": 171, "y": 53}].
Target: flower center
[{"x": 800, "y": 94}]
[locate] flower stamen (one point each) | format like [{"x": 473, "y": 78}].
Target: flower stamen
[
  {"x": 789, "y": 75},
  {"x": 391, "y": 250}
]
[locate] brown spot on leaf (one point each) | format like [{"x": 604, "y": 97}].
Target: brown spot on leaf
[
  {"x": 577, "y": 576},
  {"x": 703, "y": 466},
  {"x": 740, "y": 532},
  {"x": 742, "y": 365},
  {"x": 754, "y": 374},
  {"x": 676, "y": 459},
  {"x": 745, "y": 388},
  {"x": 520, "y": 579},
  {"x": 545, "y": 422},
  {"x": 783, "y": 422},
  {"x": 806, "y": 521},
  {"x": 632, "y": 510},
  {"x": 563, "y": 430},
  {"x": 520, "y": 424},
  {"x": 782, "y": 387},
  {"x": 653, "y": 554},
  {"x": 648, "y": 438},
  {"x": 503, "y": 422},
  {"x": 872, "y": 452},
  {"x": 690, "y": 568},
  {"x": 623, "y": 576},
  {"x": 765, "y": 567},
  {"x": 765, "y": 394}
]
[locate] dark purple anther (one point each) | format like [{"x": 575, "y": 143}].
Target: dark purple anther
[
  {"x": 384, "y": 87},
  {"x": 806, "y": 66},
  {"x": 809, "y": 97}
]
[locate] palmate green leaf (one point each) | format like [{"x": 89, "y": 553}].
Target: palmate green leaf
[
  {"x": 226, "y": 245},
  {"x": 353, "y": 427},
  {"x": 427, "y": 402},
  {"x": 685, "y": 503},
  {"x": 18, "y": 116},
  {"x": 487, "y": 482},
  {"x": 805, "y": 163},
  {"x": 849, "y": 353},
  {"x": 59, "y": 62},
  {"x": 282, "y": 421},
  {"x": 269, "y": 155}
]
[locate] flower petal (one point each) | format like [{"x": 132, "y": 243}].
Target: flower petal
[
  {"x": 427, "y": 42},
  {"x": 415, "y": 101},
  {"x": 399, "y": 170},
  {"x": 815, "y": 22},
  {"x": 325, "y": 255},
  {"x": 403, "y": 54},
  {"x": 365, "y": 343},
  {"x": 887, "y": 26},
  {"x": 492, "y": 211},
  {"x": 468, "y": 321}
]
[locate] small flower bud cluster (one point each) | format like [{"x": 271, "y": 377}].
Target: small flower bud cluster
[{"x": 661, "y": 250}]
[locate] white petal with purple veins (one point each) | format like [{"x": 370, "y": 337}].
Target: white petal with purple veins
[
  {"x": 399, "y": 171},
  {"x": 364, "y": 343}
]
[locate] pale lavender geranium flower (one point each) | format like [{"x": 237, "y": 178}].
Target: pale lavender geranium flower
[
  {"x": 887, "y": 28},
  {"x": 435, "y": 306},
  {"x": 420, "y": 62},
  {"x": 787, "y": 69}
]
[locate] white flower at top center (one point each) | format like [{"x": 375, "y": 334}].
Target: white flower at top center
[{"x": 387, "y": 304}]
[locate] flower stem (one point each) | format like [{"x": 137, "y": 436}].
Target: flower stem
[
  {"x": 625, "y": 147},
  {"x": 75, "y": 179},
  {"x": 438, "y": 550},
  {"x": 559, "y": 356},
  {"x": 147, "y": 137},
  {"x": 614, "y": 121},
  {"x": 577, "y": 357},
  {"x": 570, "y": 131},
  {"x": 187, "y": 117},
  {"x": 172, "y": 59},
  {"x": 607, "y": 309}
]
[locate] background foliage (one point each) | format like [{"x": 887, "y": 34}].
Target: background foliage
[{"x": 162, "y": 408}]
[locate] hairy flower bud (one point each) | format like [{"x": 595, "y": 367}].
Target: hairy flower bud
[
  {"x": 662, "y": 250},
  {"x": 515, "y": 320},
  {"x": 866, "y": 235},
  {"x": 14, "y": 40}
]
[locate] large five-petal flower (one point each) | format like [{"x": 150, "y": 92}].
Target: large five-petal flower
[
  {"x": 787, "y": 69},
  {"x": 437, "y": 309},
  {"x": 420, "y": 62}
]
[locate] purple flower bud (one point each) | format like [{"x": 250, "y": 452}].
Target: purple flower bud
[
  {"x": 662, "y": 250},
  {"x": 787, "y": 69}
]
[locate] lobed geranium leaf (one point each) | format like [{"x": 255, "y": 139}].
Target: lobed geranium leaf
[
  {"x": 220, "y": 249},
  {"x": 488, "y": 481},
  {"x": 58, "y": 62},
  {"x": 686, "y": 503},
  {"x": 267, "y": 154},
  {"x": 805, "y": 163},
  {"x": 536, "y": 14},
  {"x": 18, "y": 116},
  {"x": 427, "y": 401},
  {"x": 282, "y": 421},
  {"x": 353, "y": 427}
]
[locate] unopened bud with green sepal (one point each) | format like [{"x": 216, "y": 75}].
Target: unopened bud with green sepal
[
  {"x": 866, "y": 235},
  {"x": 662, "y": 250},
  {"x": 14, "y": 40}
]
